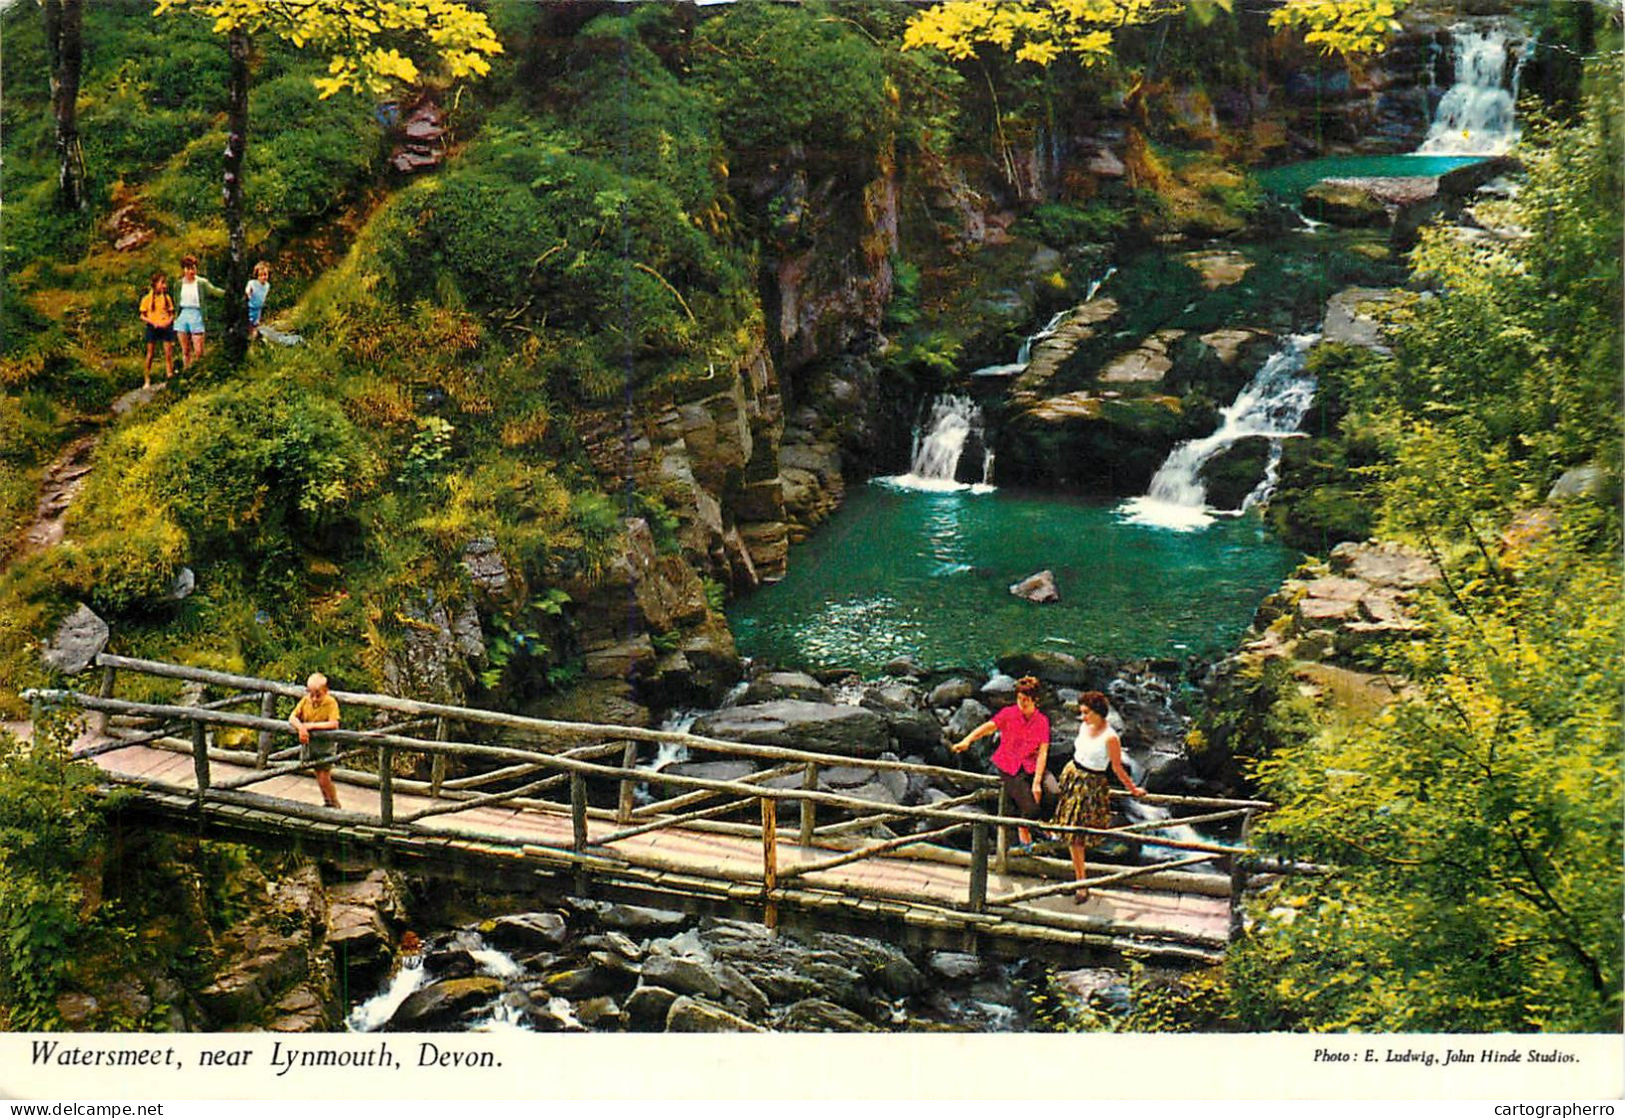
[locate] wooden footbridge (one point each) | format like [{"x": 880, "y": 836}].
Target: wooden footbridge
[{"x": 550, "y": 805}]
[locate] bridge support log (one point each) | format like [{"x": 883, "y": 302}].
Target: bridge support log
[
  {"x": 629, "y": 760},
  {"x": 578, "y": 812},
  {"x": 809, "y": 781},
  {"x": 98, "y": 721},
  {"x": 978, "y": 867},
  {"x": 1001, "y": 862},
  {"x": 200, "y": 759},
  {"x": 437, "y": 765},
  {"x": 386, "y": 786},
  {"x": 1238, "y": 886},
  {"x": 262, "y": 744},
  {"x": 770, "y": 860}
]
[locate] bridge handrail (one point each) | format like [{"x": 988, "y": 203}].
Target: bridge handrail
[
  {"x": 585, "y": 768},
  {"x": 555, "y": 727}
]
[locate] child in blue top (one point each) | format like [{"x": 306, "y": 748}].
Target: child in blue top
[{"x": 258, "y": 288}]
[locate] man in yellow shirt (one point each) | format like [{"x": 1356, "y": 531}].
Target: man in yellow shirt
[{"x": 318, "y": 710}]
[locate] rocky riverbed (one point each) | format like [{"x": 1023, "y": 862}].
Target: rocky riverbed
[{"x": 592, "y": 966}]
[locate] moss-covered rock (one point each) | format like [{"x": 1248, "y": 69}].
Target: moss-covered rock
[{"x": 1235, "y": 471}]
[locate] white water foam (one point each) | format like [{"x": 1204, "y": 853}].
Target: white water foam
[{"x": 376, "y": 1011}]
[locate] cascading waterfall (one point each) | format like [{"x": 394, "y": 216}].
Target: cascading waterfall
[
  {"x": 1272, "y": 405},
  {"x": 954, "y": 423},
  {"x": 1476, "y": 115},
  {"x": 1024, "y": 354}
]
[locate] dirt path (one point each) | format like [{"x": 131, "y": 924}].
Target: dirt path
[{"x": 65, "y": 476}]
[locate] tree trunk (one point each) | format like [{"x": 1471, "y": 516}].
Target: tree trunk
[
  {"x": 237, "y": 46},
  {"x": 65, "y": 42}
]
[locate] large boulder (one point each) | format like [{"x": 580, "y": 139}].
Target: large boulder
[
  {"x": 1059, "y": 669},
  {"x": 1345, "y": 202},
  {"x": 1038, "y": 588},
  {"x": 1234, "y": 472},
  {"x": 902, "y": 708},
  {"x": 633, "y": 918},
  {"x": 783, "y": 685},
  {"x": 1348, "y": 320},
  {"x": 527, "y": 931},
  {"x": 1384, "y": 564},
  {"x": 815, "y": 1015},
  {"x": 440, "y": 646},
  {"x": 77, "y": 641},
  {"x": 358, "y": 915},
  {"x": 970, "y": 715},
  {"x": 950, "y": 693},
  {"x": 696, "y": 1015},
  {"x": 684, "y": 974},
  {"x": 440, "y": 1003},
  {"x": 848, "y": 731}
]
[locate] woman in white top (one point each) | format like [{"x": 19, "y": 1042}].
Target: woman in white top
[
  {"x": 1085, "y": 795},
  {"x": 189, "y": 323}
]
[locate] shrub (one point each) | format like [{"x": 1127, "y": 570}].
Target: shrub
[
  {"x": 795, "y": 74},
  {"x": 248, "y": 472},
  {"x": 1058, "y": 223}
]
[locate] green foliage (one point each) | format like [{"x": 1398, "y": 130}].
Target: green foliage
[
  {"x": 904, "y": 308},
  {"x": 1476, "y": 820},
  {"x": 787, "y": 74},
  {"x": 1063, "y": 224},
  {"x": 1479, "y": 821},
  {"x": 603, "y": 272},
  {"x": 51, "y": 835},
  {"x": 652, "y": 127},
  {"x": 1511, "y": 374},
  {"x": 430, "y": 446},
  {"x": 246, "y": 472}
]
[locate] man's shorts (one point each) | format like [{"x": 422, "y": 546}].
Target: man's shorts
[
  {"x": 253, "y": 315},
  {"x": 159, "y": 333},
  {"x": 190, "y": 321}
]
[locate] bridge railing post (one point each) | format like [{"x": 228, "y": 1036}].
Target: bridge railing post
[
  {"x": 200, "y": 759},
  {"x": 809, "y": 783},
  {"x": 262, "y": 743},
  {"x": 437, "y": 767},
  {"x": 978, "y": 867},
  {"x": 629, "y": 760},
  {"x": 578, "y": 812},
  {"x": 1001, "y": 860},
  {"x": 770, "y": 859},
  {"x": 386, "y": 786},
  {"x": 98, "y": 721},
  {"x": 1239, "y": 872}
]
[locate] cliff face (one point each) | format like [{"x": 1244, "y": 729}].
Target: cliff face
[{"x": 755, "y": 456}]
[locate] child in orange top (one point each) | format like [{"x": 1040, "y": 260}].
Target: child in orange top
[{"x": 158, "y": 312}]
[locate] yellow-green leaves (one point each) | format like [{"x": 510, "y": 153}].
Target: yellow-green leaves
[
  {"x": 1040, "y": 31},
  {"x": 1341, "y": 26},
  {"x": 1035, "y": 30},
  {"x": 370, "y": 43}
]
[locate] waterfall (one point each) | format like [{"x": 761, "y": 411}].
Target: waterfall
[
  {"x": 1272, "y": 405},
  {"x": 1179, "y": 832},
  {"x": 1024, "y": 354},
  {"x": 1476, "y": 115},
  {"x": 954, "y": 423},
  {"x": 376, "y": 1011}
]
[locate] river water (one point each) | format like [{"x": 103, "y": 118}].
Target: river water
[{"x": 906, "y": 572}]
